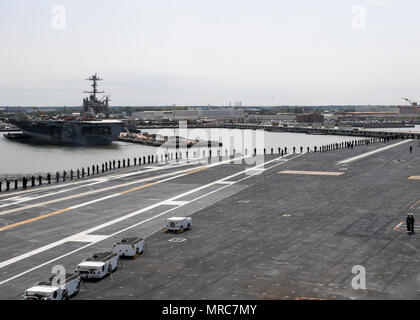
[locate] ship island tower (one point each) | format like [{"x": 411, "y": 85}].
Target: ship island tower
[{"x": 92, "y": 105}]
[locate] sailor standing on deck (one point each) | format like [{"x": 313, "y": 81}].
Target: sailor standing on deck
[
  {"x": 412, "y": 222},
  {"x": 408, "y": 222}
]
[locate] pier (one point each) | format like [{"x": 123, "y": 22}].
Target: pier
[
  {"x": 379, "y": 133},
  {"x": 355, "y": 132}
]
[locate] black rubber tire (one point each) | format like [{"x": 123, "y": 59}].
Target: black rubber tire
[
  {"x": 109, "y": 269},
  {"x": 77, "y": 289},
  {"x": 65, "y": 295}
]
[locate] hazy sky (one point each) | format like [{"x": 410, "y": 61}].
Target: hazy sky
[{"x": 196, "y": 52}]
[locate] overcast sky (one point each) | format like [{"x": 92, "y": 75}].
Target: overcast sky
[{"x": 196, "y": 52}]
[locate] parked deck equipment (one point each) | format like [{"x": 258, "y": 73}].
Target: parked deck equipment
[
  {"x": 178, "y": 224},
  {"x": 47, "y": 290},
  {"x": 129, "y": 247},
  {"x": 98, "y": 266}
]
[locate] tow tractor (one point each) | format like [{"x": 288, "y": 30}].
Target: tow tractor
[
  {"x": 129, "y": 247},
  {"x": 48, "y": 291},
  {"x": 178, "y": 224},
  {"x": 98, "y": 266}
]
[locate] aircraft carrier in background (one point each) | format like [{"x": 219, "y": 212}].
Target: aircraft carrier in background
[{"x": 92, "y": 128}]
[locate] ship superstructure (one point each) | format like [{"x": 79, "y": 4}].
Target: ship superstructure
[{"x": 92, "y": 105}]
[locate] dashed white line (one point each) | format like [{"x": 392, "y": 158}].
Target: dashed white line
[{"x": 85, "y": 234}]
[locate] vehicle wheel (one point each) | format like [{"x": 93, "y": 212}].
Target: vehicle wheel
[
  {"x": 189, "y": 226},
  {"x": 137, "y": 250},
  {"x": 181, "y": 229},
  {"x": 77, "y": 288},
  {"x": 65, "y": 296},
  {"x": 109, "y": 269}
]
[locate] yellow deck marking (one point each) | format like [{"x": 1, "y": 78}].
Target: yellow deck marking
[
  {"x": 87, "y": 193},
  {"x": 34, "y": 219},
  {"x": 413, "y": 206},
  {"x": 138, "y": 188},
  {"x": 318, "y": 173},
  {"x": 402, "y": 227},
  {"x": 197, "y": 170},
  {"x": 70, "y": 208},
  {"x": 414, "y": 178},
  {"x": 398, "y": 225}
]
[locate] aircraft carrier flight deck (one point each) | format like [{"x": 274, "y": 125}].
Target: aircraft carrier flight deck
[{"x": 290, "y": 227}]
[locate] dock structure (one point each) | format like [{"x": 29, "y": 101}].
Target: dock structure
[
  {"x": 279, "y": 227},
  {"x": 351, "y": 132},
  {"x": 377, "y": 133}
]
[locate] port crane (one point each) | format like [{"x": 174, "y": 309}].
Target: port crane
[{"x": 410, "y": 101}]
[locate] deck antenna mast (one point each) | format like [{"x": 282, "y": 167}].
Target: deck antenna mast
[
  {"x": 92, "y": 105},
  {"x": 94, "y": 78}
]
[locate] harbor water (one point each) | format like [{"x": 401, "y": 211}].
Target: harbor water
[{"x": 20, "y": 158}]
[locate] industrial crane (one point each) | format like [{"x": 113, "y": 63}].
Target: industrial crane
[{"x": 409, "y": 101}]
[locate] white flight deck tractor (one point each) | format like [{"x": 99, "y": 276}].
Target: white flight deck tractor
[
  {"x": 98, "y": 266},
  {"x": 129, "y": 247},
  {"x": 49, "y": 291},
  {"x": 178, "y": 224}
]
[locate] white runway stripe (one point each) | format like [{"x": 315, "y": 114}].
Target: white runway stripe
[
  {"x": 85, "y": 234},
  {"x": 367, "y": 154}
]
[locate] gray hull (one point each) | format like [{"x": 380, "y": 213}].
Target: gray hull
[{"x": 78, "y": 133}]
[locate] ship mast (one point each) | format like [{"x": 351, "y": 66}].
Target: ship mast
[
  {"x": 93, "y": 105},
  {"x": 94, "y": 78}
]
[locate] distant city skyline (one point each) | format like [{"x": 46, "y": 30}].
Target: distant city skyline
[{"x": 195, "y": 52}]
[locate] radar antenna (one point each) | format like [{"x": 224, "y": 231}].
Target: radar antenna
[
  {"x": 94, "y": 78},
  {"x": 92, "y": 105}
]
